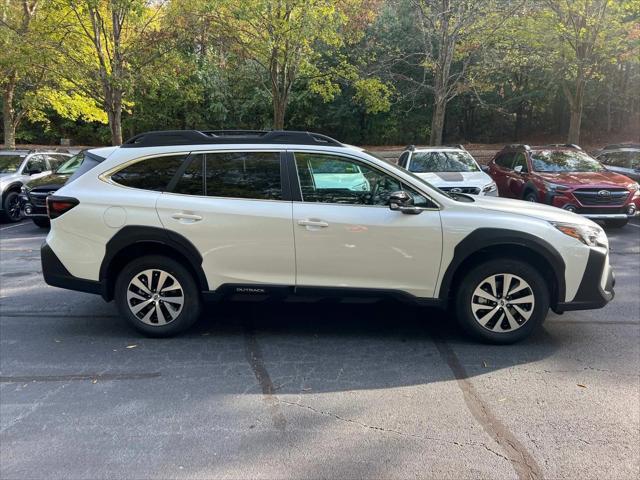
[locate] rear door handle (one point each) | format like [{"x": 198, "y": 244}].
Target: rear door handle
[
  {"x": 313, "y": 223},
  {"x": 186, "y": 216}
]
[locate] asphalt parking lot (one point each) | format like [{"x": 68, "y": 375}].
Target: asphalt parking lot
[{"x": 311, "y": 390}]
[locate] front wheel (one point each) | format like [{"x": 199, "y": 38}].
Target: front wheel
[
  {"x": 157, "y": 296},
  {"x": 502, "y": 301},
  {"x": 11, "y": 207},
  {"x": 616, "y": 223},
  {"x": 531, "y": 197}
]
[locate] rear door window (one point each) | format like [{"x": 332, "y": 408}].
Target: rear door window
[
  {"x": 250, "y": 175},
  {"x": 505, "y": 160},
  {"x": 150, "y": 174}
]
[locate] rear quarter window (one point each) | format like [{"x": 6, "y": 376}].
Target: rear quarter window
[{"x": 149, "y": 174}]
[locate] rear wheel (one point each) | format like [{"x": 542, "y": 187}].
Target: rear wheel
[
  {"x": 616, "y": 223},
  {"x": 502, "y": 301},
  {"x": 11, "y": 207},
  {"x": 42, "y": 222},
  {"x": 157, "y": 296}
]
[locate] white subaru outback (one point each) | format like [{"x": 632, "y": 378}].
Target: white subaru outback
[{"x": 171, "y": 219}]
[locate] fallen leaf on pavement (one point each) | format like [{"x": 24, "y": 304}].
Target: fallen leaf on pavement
[{"x": 582, "y": 386}]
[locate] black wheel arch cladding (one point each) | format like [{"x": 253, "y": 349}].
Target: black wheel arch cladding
[
  {"x": 483, "y": 238},
  {"x": 133, "y": 235}
]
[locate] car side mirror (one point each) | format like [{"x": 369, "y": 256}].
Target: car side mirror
[
  {"x": 484, "y": 168},
  {"x": 401, "y": 201},
  {"x": 518, "y": 169},
  {"x": 34, "y": 171}
]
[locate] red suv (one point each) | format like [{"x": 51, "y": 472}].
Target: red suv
[{"x": 565, "y": 177}]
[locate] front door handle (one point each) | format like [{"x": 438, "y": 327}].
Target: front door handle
[
  {"x": 188, "y": 217},
  {"x": 313, "y": 223}
]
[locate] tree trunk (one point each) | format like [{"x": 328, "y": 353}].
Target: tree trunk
[
  {"x": 8, "y": 115},
  {"x": 576, "y": 103},
  {"x": 279, "y": 109},
  {"x": 114, "y": 115},
  {"x": 437, "y": 120}
]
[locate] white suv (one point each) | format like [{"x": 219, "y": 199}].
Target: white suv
[
  {"x": 451, "y": 169},
  {"x": 171, "y": 219}
]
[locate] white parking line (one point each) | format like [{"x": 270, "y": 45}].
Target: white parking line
[
  {"x": 634, "y": 225},
  {"x": 14, "y": 226}
]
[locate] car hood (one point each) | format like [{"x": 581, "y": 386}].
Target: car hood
[
  {"x": 53, "y": 181},
  {"x": 582, "y": 179},
  {"x": 530, "y": 209},
  {"x": 6, "y": 178},
  {"x": 456, "y": 179}
]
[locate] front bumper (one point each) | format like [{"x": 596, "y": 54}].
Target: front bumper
[
  {"x": 596, "y": 287},
  {"x": 29, "y": 209},
  {"x": 567, "y": 201}
]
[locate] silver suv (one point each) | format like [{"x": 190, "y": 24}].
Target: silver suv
[{"x": 18, "y": 167}]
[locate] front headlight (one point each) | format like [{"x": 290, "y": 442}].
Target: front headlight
[
  {"x": 492, "y": 187},
  {"x": 590, "y": 236},
  {"x": 635, "y": 189},
  {"x": 24, "y": 189},
  {"x": 555, "y": 187}
]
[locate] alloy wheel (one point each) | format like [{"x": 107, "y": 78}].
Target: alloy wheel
[
  {"x": 13, "y": 208},
  {"x": 155, "y": 297},
  {"x": 502, "y": 302}
]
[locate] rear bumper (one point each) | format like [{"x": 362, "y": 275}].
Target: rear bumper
[
  {"x": 56, "y": 275},
  {"x": 596, "y": 287}
]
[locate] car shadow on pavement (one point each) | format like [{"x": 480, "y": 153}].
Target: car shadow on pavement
[{"x": 325, "y": 346}]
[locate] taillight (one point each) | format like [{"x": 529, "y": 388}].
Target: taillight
[{"x": 57, "y": 206}]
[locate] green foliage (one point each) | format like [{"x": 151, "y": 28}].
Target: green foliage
[{"x": 365, "y": 71}]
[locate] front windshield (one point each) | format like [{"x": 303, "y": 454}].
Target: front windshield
[
  {"x": 553, "y": 161},
  {"x": 425, "y": 162},
  {"x": 10, "y": 163},
  {"x": 71, "y": 165}
]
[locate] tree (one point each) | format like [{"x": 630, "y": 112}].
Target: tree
[
  {"x": 107, "y": 44},
  {"x": 589, "y": 34},
  {"x": 454, "y": 34},
  {"x": 16, "y": 68},
  {"x": 284, "y": 40}
]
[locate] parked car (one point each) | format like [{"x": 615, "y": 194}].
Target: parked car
[
  {"x": 621, "y": 158},
  {"x": 172, "y": 219},
  {"x": 566, "y": 177},
  {"x": 34, "y": 193},
  {"x": 18, "y": 167},
  {"x": 451, "y": 169}
]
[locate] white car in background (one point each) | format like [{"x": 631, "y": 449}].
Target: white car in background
[{"x": 451, "y": 169}]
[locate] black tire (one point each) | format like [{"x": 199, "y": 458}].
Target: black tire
[
  {"x": 474, "y": 279},
  {"x": 11, "y": 207},
  {"x": 42, "y": 222},
  {"x": 619, "y": 223},
  {"x": 191, "y": 306},
  {"x": 531, "y": 196}
]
